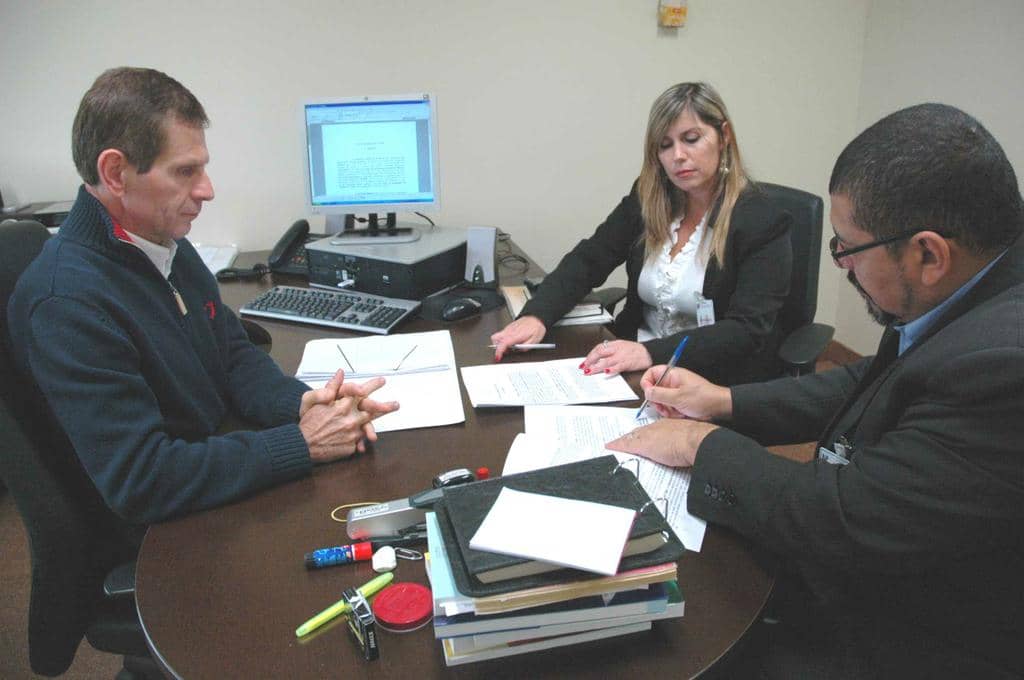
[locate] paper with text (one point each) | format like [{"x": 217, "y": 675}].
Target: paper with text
[
  {"x": 556, "y": 435},
  {"x": 541, "y": 382},
  {"x": 419, "y": 369},
  {"x": 571, "y": 533}
]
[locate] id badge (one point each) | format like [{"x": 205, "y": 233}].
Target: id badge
[
  {"x": 831, "y": 457},
  {"x": 705, "y": 311}
]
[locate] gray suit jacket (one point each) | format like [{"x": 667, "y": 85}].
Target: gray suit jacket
[{"x": 913, "y": 554}]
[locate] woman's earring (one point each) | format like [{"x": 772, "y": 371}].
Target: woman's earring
[{"x": 723, "y": 164}]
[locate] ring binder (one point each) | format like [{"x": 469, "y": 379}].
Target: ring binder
[
  {"x": 654, "y": 502},
  {"x": 628, "y": 460},
  {"x": 636, "y": 475},
  {"x": 479, "y": 574}
]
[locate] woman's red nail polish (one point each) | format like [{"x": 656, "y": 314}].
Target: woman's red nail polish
[
  {"x": 582, "y": 363},
  {"x": 607, "y": 370},
  {"x": 586, "y": 371}
]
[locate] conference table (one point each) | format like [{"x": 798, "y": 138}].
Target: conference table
[{"x": 221, "y": 592}]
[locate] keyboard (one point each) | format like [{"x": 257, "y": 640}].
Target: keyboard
[{"x": 349, "y": 310}]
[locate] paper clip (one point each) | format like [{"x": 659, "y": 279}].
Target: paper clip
[{"x": 408, "y": 554}]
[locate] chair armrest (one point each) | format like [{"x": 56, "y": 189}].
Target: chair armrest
[
  {"x": 120, "y": 581},
  {"x": 801, "y": 348},
  {"x": 258, "y": 335},
  {"x": 608, "y": 297}
]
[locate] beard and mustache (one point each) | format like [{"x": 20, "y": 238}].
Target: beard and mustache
[{"x": 877, "y": 313}]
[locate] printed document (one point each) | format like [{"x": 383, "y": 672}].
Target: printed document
[
  {"x": 419, "y": 370},
  {"x": 556, "y": 435},
  {"x": 541, "y": 382}
]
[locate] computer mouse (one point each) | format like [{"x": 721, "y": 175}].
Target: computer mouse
[{"x": 460, "y": 308}]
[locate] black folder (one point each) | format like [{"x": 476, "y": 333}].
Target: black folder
[{"x": 599, "y": 480}]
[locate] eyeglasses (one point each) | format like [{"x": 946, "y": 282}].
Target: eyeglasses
[{"x": 837, "y": 254}]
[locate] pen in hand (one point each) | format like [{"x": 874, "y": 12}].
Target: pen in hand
[
  {"x": 671, "y": 364},
  {"x": 530, "y": 345}
]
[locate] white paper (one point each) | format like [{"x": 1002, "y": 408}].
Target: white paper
[
  {"x": 541, "y": 382},
  {"x": 585, "y": 320},
  {"x": 419, "y": 369},
  {"x": 556, "y": 435},
  {"x": 571, "y": 533},
  {"x": 217, "y": 257}
]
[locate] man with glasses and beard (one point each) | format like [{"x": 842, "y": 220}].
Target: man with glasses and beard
[{"x": 902, "y": 544}]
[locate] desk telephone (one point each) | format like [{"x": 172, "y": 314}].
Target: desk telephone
[{"x": 289, "y": 254}]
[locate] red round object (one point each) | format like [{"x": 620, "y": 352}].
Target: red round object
[
  {"x": 482, "y": 473},
  {"x": 403, "y": 607}
]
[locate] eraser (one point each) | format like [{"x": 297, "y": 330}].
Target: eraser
[{"x": 384, "y": 559}]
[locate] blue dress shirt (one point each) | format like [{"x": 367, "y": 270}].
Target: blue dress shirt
[{"x": 910, "y": 332}]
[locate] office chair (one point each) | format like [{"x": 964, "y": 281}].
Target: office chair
[
  {"x": 82, "y": 578},
  {"x": 803, "y": 340}
]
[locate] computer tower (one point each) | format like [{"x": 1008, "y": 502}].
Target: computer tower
[{"x": 411, "y": 271}]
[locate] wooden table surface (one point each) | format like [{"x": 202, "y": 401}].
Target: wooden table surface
[{"x": 221, "y": 592}]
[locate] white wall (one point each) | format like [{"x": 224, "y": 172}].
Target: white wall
[
  {"x": 542, "y": 104},
  {"x": 970, "y": 55}
]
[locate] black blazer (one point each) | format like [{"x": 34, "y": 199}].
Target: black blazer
[
  {"x": 748, "y": 289},
  {"x": 912, "y": 553}
]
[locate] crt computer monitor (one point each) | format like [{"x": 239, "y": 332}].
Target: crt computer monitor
[{"x": 370, "y": 155}]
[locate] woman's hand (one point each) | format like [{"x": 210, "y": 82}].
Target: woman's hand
[
  {"x": 524, "y": 330},
  {"x": 616, "y": 356}
]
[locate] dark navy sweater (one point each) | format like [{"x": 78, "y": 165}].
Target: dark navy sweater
[{"x": 141, "y": 388}]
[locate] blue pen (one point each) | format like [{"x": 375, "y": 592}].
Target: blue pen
[{"x": 671, "y": 364}]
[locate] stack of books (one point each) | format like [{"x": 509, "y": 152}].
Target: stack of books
[
  {"x": 584, "y": 313},
  {"x": 489, "y": 605}
]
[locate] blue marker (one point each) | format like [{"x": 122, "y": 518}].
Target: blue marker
[
  {"x": 671, "y": 364},
  {"x": 343, "y": 554}
]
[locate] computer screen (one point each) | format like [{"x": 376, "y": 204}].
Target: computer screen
[{"x": 369, "y": 155}]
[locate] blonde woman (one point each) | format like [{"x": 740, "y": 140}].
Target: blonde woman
[{"x": 707, "y": 255}]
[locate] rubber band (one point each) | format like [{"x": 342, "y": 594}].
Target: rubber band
[{"x": 350, "y": 505}]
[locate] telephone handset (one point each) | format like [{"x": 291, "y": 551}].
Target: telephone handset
[{"x": 289, "y": 254}]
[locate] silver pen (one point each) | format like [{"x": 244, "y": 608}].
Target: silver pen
[
  {"x": 350, "y": 366},
  {"x": 399, "y": 365}
]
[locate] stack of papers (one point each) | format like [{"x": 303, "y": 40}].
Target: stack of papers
[
  {"x": 582, "y": 314},
  {"x": 419, "y": 369},
  {"x": 541, "y": 382}
]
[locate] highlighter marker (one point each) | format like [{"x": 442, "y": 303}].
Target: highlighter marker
[
  {"x": 342, "y": 606},
  {"x": 343, "y": 554}
]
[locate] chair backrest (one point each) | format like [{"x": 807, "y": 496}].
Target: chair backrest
[
  {"x": 65, "y": 518},
  {"x": 807, "y": 211}
]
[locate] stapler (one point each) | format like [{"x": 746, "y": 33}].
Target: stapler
[{"x": 401, "y": 517}]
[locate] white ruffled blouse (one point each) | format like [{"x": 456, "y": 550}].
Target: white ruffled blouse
[{"x": 670, "y": 287}]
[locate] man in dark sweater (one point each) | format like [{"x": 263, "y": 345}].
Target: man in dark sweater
[{"x": 121, "y": 326}]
